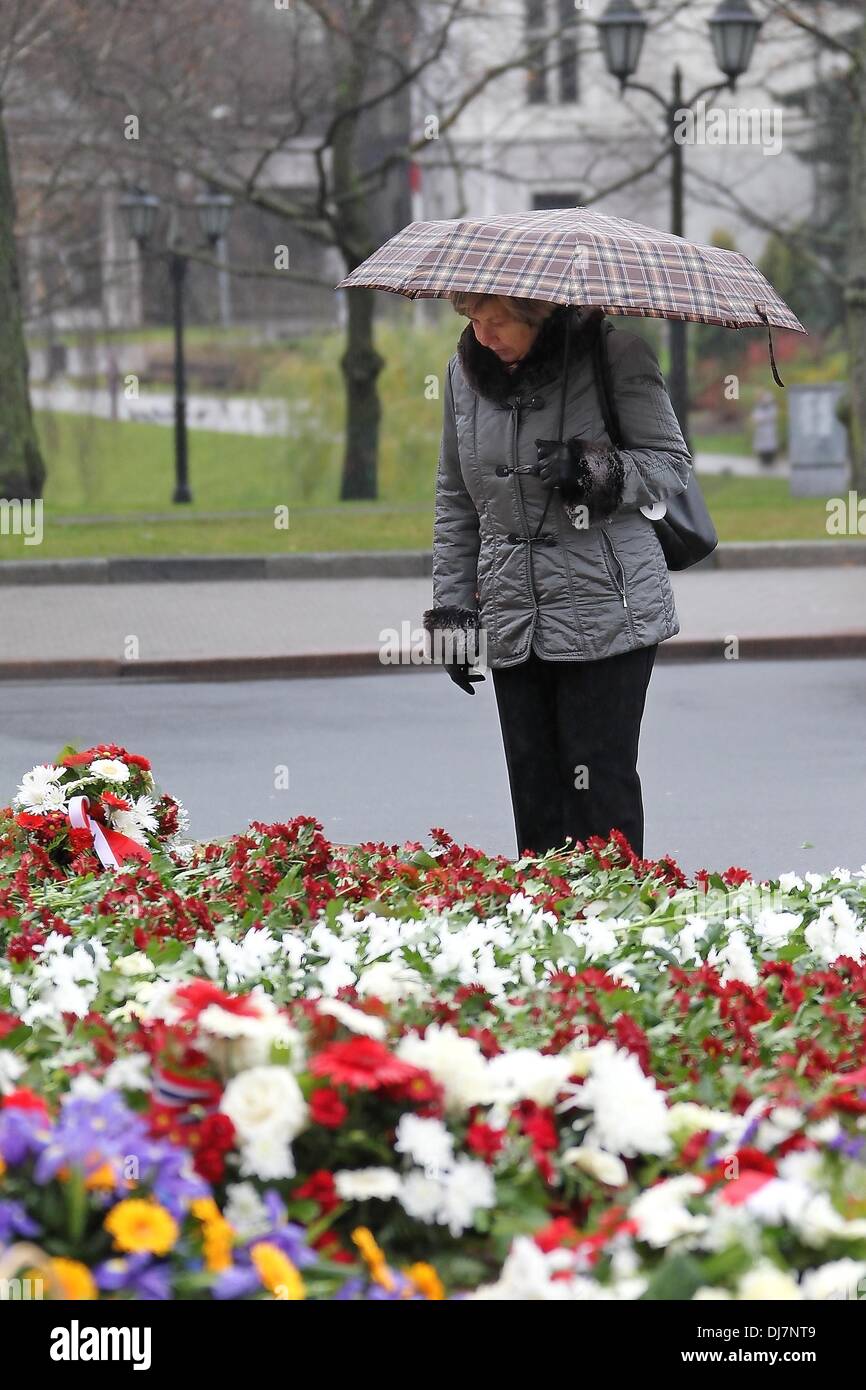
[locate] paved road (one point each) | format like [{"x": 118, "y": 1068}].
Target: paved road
[
  {"x": 741, "y": 762},
  {"x": 275, "y": 617}
]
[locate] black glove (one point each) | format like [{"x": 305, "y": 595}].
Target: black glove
[
  {"x": 459, "y": 673},
  {"x": 560, "y": 466}
]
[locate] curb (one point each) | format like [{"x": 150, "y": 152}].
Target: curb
[
  {"x": 373, "y": 564},
  {"x": 819, "y": 646}
]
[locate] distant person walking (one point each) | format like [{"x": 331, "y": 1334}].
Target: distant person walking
[{"x": 765, "y": 437}]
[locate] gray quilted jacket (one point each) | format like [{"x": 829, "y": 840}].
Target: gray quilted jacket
[{"x": 595, "y": 581}]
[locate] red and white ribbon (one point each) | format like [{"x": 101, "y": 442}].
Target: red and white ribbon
[{"x": 110, "y": 846}]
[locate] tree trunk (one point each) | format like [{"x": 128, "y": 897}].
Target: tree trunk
[
  {"x": 22, "y": 471},
  {"x": 855, "y": 288},
  {"x": 361, "y": 365}
]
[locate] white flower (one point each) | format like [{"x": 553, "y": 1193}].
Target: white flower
[
  {"x": 766, "y": 1281},
  {"x": 40, "y": 791},
  {"x": 267, "y": 1156},
  {"x": 457, "y": 1063},
  {"x": 136, "y": 963},
  {"x": 525, "y": 1277},
  {"x": 737, "y": 960},
  {"x": 109, "y": 769},
  {"x": 836, "y": 932},
  {"x": 265, "y": 1101},
  {"x": 130, "y": 1073},
  {"x": 524, "y": 1074},
  {"x": 466, "y": 1188},
  {"x": 390, "y": 981},
  {"x": 788, "y": 882},
  {"x": 138, "y": 821},
  {"x": 245, "y": 1211},
  {"x": 363, "y": 1184},
  {"x": 11, "y": 1067},
  {"x": 355, "y": 1019},
  {"x": 774, "y": 929},
  {"x": 421, "y": 1196},
  {"x": 237, "y": 1042},
  {"x": 604, "y": 1167},
  {"x": 705, "y": 1293},
  {"x": 686, "y": 1118},
  {"x": 838, "y": 1279},
  {"x": 629, "y": 1113},
  {"x": 426, "y": 1141},
  {"x": 661, "y": 1213}
]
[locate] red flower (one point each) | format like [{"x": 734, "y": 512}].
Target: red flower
[
  {"x": 329, "y": 1245},
  {"x": 199, "y": 995},
  {"x": 560, "y": 1232},
  {"x": 484, "y": 1141},
  {"x": 118, "y": 802},
  {"x": 24, "y": 1099},
  {"x": 319, "y": 1187},
  {"x": 326, "y": 1108},
  {"x": 362, "y": 1064},
  {"x": 736, "y": 1192}
]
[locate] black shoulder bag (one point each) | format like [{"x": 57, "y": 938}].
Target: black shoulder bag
[{"x": 686, "y": 530}]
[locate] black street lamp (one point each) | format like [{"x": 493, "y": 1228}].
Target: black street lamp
[
  {"x": 140, "y": 210},
  {"x": 733, "y": 31}
]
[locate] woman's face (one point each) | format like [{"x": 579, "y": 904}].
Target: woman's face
[{"x": 504, "y": 335}]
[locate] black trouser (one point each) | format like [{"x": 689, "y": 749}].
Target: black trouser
[{"x": 570, "y": 731}]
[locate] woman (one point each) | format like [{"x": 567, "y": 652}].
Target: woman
[{"x": 542, "y": 553}]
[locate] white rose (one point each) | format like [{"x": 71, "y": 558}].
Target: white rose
[{"x": 265, "y": 1101}]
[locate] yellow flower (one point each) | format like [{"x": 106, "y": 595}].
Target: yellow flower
[
  {"x": 374, "y": 1258},
  {"x": 218, "y": 1235},
  {"x": 277, "y": 1272},
  {"x": 2, "y": 1167},
  {"x": 426, "y": 1281},
  {"x": 75, "y": 1278},
  {"x": 103, "y": 1176},
  {"x": 141, "y": 1225},
  {"x": 205, "y": 1209}
]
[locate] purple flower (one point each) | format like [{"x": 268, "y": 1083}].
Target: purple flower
[
  {"x": 14, "y": 1221},
  {"x": 22, "y": 1133},
  {"x": 139, "y": 1274}
]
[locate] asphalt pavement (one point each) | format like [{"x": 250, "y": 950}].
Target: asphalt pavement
[{"x": 761, "y": 764}]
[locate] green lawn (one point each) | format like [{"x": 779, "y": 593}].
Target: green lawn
[{"x": 122, "y": 471}]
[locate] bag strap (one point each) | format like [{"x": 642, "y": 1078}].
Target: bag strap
[{"x": 604, "y": 383}]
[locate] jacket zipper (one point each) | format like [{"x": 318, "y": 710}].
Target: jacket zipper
[
  {"x": 515, "y": 411},
  {"x": 620, "y": 591}
]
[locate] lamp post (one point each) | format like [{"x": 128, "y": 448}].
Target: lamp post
[
  {"x": 733, "y": 31},
  {"x": 140, "y": 210}
]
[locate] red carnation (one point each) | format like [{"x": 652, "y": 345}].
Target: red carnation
[
  {"x": 484, "y": 1141},
  {"x": 326, "y": 1108},
  {"x": 319, "y": 1187}
]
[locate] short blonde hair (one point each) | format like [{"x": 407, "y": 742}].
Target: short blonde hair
[{"x": 529, "y": 311}]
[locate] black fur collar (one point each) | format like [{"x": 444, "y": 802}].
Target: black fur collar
[{"x": 487, "y": 374}]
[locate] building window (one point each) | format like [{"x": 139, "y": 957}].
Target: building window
[
  {"x": 549, "y": 202},
  {"x": 551, "y": 34}
]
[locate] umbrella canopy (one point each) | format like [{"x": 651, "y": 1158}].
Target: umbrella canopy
[{"x": 576, "y": 256}]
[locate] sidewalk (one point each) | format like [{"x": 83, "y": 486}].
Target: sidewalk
[{"x": 330, "y": 626}]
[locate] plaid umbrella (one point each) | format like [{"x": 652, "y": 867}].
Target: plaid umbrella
[{"x": 578, "y": 256}]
